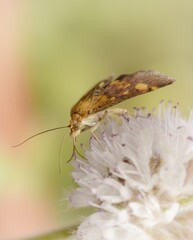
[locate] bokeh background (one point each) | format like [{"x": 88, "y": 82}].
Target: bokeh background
[{"x": 51, "y": 53}]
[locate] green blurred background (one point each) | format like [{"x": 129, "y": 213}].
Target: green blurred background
[{"x": 69, "y": 45}]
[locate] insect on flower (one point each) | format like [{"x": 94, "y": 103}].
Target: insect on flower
[{"x": 93, "y": 106}]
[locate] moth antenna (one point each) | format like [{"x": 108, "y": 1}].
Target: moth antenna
[
  {"x": 60, "y": 152},
  {"x": 40, "y": 133}
]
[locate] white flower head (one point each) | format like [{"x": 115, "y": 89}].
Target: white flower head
[{"x": 138, "y": 176}]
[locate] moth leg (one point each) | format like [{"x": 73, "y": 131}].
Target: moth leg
[
  {"x": 124, "y": 113},
  {"x": 92, "y": 129},
  {"x": 94, "y": 136},
  {"x": 75, "y": 150},
  {"x": 116, "y": 111},
  {"x": 85, "y": 128}
]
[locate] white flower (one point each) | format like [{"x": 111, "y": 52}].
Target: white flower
[{"x": 139, "y": 178}]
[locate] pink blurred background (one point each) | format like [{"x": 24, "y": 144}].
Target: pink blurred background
[{"x": 22, "y": 212}]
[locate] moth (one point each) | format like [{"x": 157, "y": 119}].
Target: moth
[{"x": 94, "y": 105}]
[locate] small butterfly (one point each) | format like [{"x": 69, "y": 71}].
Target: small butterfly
[{"x": 93, "y": 106}]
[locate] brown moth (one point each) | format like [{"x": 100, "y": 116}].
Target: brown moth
[{"x": 93, "y": 106}]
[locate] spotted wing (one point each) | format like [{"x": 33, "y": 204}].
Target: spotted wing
[{"x": 109, "y": 92}]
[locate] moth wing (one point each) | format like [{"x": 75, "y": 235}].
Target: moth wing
[{"x": 109, "y": 92}]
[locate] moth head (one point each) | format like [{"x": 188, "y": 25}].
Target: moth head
[{"x": 75, "y": 125}]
